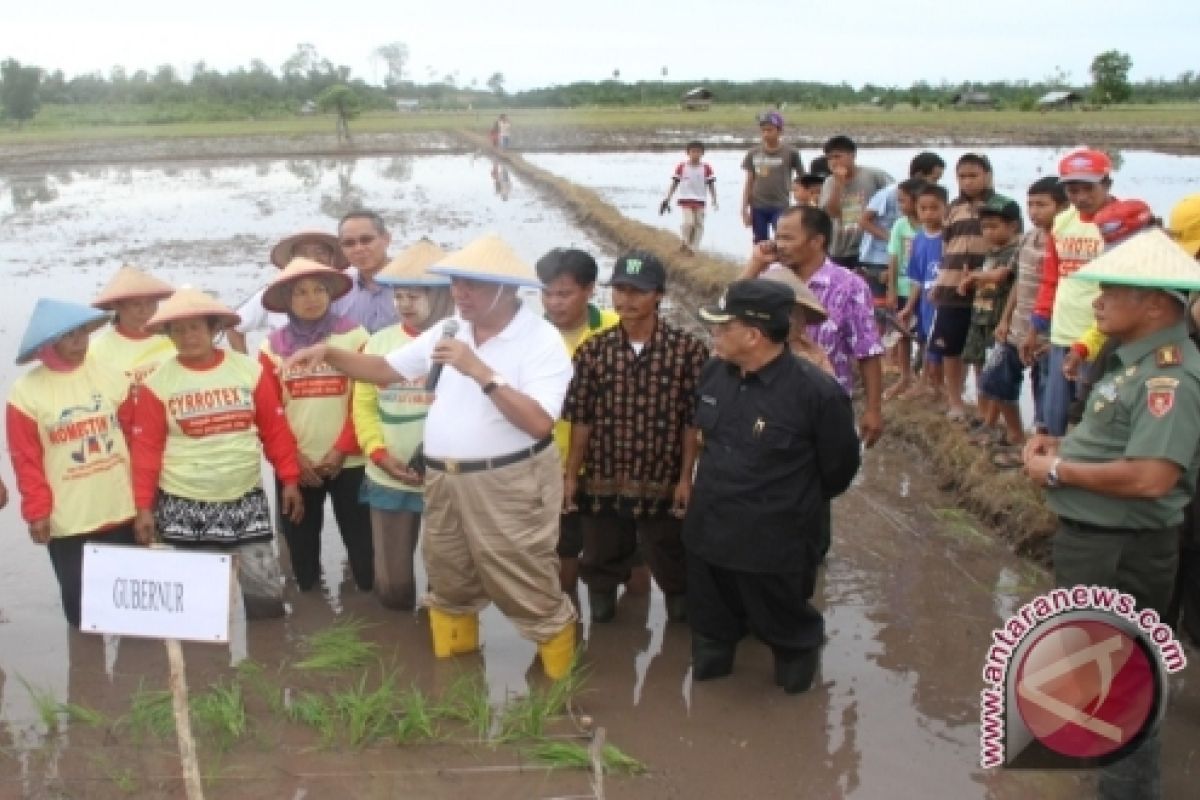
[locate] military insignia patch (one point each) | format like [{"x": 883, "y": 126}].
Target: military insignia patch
[
  {"x": 1168, "y": 355},
  {"x": 1160, "y": 401}
]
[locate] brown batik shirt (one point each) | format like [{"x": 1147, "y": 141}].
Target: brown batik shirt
[{"x": 638, "y": 406}]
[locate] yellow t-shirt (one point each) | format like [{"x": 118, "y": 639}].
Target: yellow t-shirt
[
  {"x": 391, "y": 416},
  {"x": 317, "y": 401},
  {"x": 212, "y": 452},
  {"x": 84, "y": 456},
  {"x": 599, "y": 320},
  {"x": 137, "y": 358},
  {"x": 1077, "y": 242}
]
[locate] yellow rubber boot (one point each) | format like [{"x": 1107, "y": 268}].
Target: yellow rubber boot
[
  {"x": 453, "y": 634},
  {"x": 558, "y": 652}
]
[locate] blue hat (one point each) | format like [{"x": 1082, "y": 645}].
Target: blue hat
[
  {"x": 53, "y": 319},
  {"x": 489, "y": 260}
]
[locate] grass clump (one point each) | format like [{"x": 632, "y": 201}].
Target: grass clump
[
  {"x": 467, "y": 701},
  {"x": 527, "y": 717},
  {"x": 150, "y": 713},
  {"x": 83, "y": 715},
  {"x": 315, "y": 711},
  {"x": 418, "y": 717},
  {"x": 338, "y": 647},
  {"x": 368, "y": 715},
  {"x": 221, "y": 713},
  {"x": 254, "y": 677},
  {"x": 572, "y": 755},
  {"x": 45, "y": 702}
]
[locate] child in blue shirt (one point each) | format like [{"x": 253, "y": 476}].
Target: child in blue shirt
[{"x": 923, "y": 265}]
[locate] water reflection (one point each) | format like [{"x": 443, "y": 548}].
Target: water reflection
[{"x": 28, "y": 192}]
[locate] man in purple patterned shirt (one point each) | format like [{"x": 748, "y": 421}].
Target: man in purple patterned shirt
[{"x": 850, "y": 334}]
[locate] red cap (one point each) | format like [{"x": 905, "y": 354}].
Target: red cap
[
  {"x": 1121, "y": 219},
  {"x": 1087, "y": 166}
]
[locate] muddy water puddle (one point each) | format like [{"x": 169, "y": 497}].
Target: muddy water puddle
[{"x": 911, "y": 590}]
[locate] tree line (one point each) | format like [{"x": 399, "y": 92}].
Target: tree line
[{"x": 300, "y": 83}]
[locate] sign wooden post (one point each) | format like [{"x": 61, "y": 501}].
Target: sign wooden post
[{"x": 164, "y": 594}]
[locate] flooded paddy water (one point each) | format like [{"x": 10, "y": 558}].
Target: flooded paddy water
[{"x": 911, "y": 590}]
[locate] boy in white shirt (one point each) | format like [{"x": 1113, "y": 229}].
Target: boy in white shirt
[{"x": 691, "y": 178}]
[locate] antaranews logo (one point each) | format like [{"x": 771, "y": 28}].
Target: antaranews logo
[{"x": 1075, "y": 678}]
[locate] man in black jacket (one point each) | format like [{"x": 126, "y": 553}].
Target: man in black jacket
[{"x": 778, "y": 441}]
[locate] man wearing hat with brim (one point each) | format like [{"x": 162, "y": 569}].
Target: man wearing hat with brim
[
  {"x": 323, "y": 248},
  {"x": 779, "y": 442},
  {"x": 1120, "y": 480},
  {"x": 809, "y": 310},
  {"x": 493, "y": 485},
  {"x": 68, "y": 451}
]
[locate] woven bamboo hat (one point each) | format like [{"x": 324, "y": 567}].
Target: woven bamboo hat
[
  {"x": 279, "y": 290},
  {"x": 815, "y": 312},
  {"x": 410, "y": 267},
  {"x": 190, "y": 303},
  {"x": 487, "y": 259},
  {"x": 130, "y": 283},
  {"x": 283, "y": 252},
  {"x": 1151, "y": 260},
  {"x": 53, "y": 319}
]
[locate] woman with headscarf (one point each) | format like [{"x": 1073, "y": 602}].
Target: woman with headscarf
[
  {"x": 68, "y": 452},
  {"x": 132, "y": 296},
  {"x": 390, "y": 423},
  {"x": 317, "y": 403},
  {"x": 201, "y": 424}
]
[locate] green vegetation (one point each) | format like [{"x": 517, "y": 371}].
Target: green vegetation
[
  {"x": 467, "y": 701},
  {"x": 150, "y": 714},
  {"x": 220, "y": 713},
  {"x": 368, "y": 714},
  {"x": 316, "y": 712},
  {"x": 338, "y": 647},
  {"x": 418, "y": 717},
  {"x": 1110, "y": 77},
  {"x": 46, "y": 704},
  {"x": 570, "y": 755}
]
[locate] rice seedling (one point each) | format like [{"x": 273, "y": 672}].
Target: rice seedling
[
  {"x": 46, "y": 704},
  {"x": 527, "y": 717},
  {"x": 315, "y": 711},
  {"x": 338, "y": 647},
  {"x": 83, "y": 715},
  {"x": 418, "y": 717},
  {"x": 124, "y": 778},
  {"x": 221, "y": 713},
  {"x": 150, "y": 713},
  {"x": 368, "y": 715},
  {"x": 571, "y": 755},
  {"x": 467, "y": 701},
  {"x": 252, "y": 674}
]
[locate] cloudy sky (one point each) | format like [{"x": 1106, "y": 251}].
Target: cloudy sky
[{"x": 542, "y": 42}]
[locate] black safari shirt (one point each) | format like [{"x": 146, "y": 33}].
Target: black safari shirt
[{"x": 777, "y": 444}]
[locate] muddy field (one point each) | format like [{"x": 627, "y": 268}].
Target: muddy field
[{"x": 911, "y": 592}]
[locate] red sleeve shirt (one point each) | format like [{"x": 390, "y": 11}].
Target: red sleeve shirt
[{"x": 25, "y": 449}]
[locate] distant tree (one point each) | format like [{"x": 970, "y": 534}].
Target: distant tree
[
  {"x": 395, "y": 56},
  {"x": 496, "y": 83},
  {"x": 19, "y": 91},
  {"x": 305, "y": 62},
  {"x": 343, "y": 101},
  {"x": 616, "y": 74},
  {"x": 1110, "y": 77}
]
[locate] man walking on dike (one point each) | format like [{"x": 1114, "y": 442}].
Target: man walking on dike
[
  {"x": 1119, "y": 481},
  {"x": 365, "y": 239},
  {"x": 1064, "y": 308},
  {"x": 770, "y": 168},
  {"x": 844, "y": 197},
  {"x": 778, "y": 444},
  {"x": 568, "y": 279},
  {"x": 493, "y": 486},
  {"x": 630, "y": 406}
]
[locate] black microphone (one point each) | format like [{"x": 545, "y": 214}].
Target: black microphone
[{"x": 449, "y": 330}]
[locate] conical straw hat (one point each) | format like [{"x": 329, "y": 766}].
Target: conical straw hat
[
  {"x": 283, "y": 252},
  {"x": 410, "y": 267},
  {"x": 487, "y": 259},
  {"x": 130, "y": 283},
  {"x": 1150, "y": 260},
  {"x": 279, "y": 290},
  {"x": 189, "y": 303},
  {"x": 804, "y": 296},
  {"x": 53, "y": 319}
]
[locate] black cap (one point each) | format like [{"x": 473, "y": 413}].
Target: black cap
[
  {"x": 641, "y": 270},
  {"x": 810, "y": 179},
  {"x": 1000, "y": 206},
  {"x": 765, "y": 304}
]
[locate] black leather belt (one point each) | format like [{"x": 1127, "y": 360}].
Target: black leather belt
[{"x": 453, "y": 466}]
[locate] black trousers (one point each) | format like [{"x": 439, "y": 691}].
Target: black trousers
[
  {"x": 724, "y": 605},
  {"x": 1185, "y": 602},
  {"x": 353, "y": 521},
  {"x": 610, "y": 551},
  {"x": 66, "y": 556}
]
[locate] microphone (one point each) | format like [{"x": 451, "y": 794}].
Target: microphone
[{"x": 435, "y": 372}]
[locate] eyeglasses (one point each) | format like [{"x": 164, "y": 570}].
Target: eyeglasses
[{"x": 363, "y": 240}]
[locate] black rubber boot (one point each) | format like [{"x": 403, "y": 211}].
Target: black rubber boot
[
  {"x": 710, "y": 658},
  {"x": 603, "y": 605},
  {"x": 676, "y": 607},
  {"x": 795, "y": 670}
]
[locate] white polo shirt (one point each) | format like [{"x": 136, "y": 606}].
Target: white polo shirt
[{"x": 463, "y": 422}]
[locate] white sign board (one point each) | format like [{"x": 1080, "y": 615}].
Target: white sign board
[{"x": 159, "y": 593}]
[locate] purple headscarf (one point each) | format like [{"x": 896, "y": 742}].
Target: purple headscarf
[{"x": 299, "y": 333}]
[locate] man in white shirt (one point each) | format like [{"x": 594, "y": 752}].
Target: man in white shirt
[{"x": 493, "y": 490}]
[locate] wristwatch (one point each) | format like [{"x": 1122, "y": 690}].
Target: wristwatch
[
  {"x": 495, "y": 383},
  {"x": 1052, "y": 479}
]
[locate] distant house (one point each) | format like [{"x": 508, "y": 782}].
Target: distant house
[
  {"x": 698, "y": 99},
  {"x": 407, "y": 104},
  {"x": 973, "y": 100},
  {"x": 1059, "y": 99},
  {"x": 308, "y": 108}
]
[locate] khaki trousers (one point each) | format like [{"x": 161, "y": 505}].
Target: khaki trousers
[{"x": 491, "y": 536}]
